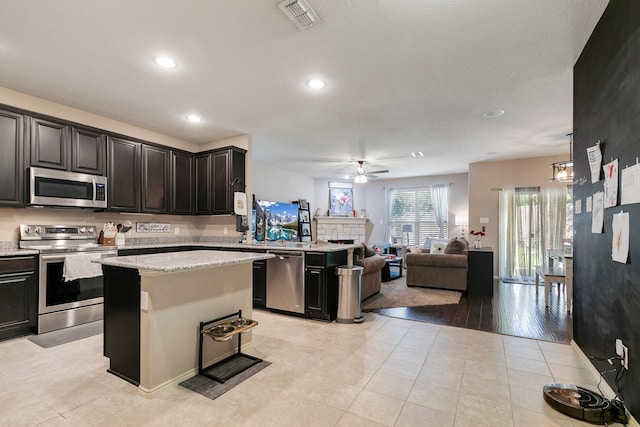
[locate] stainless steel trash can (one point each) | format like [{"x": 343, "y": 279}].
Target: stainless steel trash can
[{"x": 349, "y": 292}]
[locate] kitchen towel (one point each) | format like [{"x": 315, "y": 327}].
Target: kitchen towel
[
  {"x": 240, "y": 203},
  {"x": 81, "y": 267}
]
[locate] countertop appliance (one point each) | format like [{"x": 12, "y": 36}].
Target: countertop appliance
[
  {"x": 285, "y": 281},
  {"x": 65, "y": 303},
  {"x": 50, "y": 187}
]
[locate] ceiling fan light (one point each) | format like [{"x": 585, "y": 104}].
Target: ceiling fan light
[{"x": 360, "y": 179}]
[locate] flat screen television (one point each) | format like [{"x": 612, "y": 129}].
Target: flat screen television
[{"x": 276, "y": 220}]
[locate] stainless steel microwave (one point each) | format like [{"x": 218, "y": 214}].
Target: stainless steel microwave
[{"x": 50, "y": 187}]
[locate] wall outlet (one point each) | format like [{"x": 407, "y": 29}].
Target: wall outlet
[
  {"x": 622, "y": 351},
  {"x": 225, "y": 231},
  {"x": 176, "y": 230},
  {"x": 625, "y": 357}
]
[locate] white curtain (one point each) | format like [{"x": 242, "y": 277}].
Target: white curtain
[
  {"x": 554, "y": 212},
  {"x": 440, "y": 199},
  {"x": 531, "y": 222},
  {"x": 391, "y": 194}
]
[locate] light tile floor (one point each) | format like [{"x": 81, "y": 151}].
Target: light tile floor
[{"x": 383, "y": 372}]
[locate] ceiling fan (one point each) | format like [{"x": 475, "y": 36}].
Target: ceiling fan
[{"x": 362, "y": 176}]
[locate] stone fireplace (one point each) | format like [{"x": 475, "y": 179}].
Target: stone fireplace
[{"x": 341, "y": 228}]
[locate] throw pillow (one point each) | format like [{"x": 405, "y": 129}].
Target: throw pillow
[
  {"x": 368, "y": 251},
  {"x": 438, "y": 247},
  {"x": 455, "y": 247}
]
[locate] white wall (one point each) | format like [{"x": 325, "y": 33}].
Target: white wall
[
  {"x": 372, "y": 197},
  {"x": 280, "y": 185}
]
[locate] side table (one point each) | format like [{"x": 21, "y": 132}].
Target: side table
[{"x": 480, "y": 271}]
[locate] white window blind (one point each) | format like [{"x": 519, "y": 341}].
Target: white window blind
[{"x": 414, "y": 206}]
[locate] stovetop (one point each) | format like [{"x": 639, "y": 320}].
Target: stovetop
[{"x": 60, "y": 238}]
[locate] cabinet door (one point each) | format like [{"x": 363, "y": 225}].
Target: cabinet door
[
  {"x": 260, "y": 284},
  {"x": 155, "y": 179},
  {"x": 182, "y": 176},
  {"x": 88, "y": 151},
  {"x": 123, "y": 193},
  {"x": 221, "y": 185},
  {"x": 315, "y": 291},
  {"x": 18, "y": 296},
  {"x": 49, "y": 144},
  {"x": 11, "y": 143},
  {"x": 203, "y": 184}
]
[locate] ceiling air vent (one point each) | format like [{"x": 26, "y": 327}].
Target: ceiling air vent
[{"x": 300, "y": 13}]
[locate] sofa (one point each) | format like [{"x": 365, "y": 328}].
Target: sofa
[
  {"x": 371, "y": 274},
  {"x": 445, "y": 271}
]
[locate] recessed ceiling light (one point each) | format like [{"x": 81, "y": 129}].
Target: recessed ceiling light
[
  {"x": 194, "y": 118},
  {"x": 417, "y": 154},
  {"x": 165, "y": 62},
  {"x": 316, "y": 84},
  {"x": 494, "y": 113}
]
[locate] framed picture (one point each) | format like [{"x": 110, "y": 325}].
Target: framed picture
[
  {"x": 306, "y": 229},
  {"x": 341, "y": 202},
  {"x": 396, "y": 240},
  {"x": 304, "y": 216},
  {"x": 304, "y": 205}
]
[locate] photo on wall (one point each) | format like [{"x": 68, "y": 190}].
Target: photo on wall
[
  {"x": 306, "y": 229},
  {"x": 340, "y": 202}
]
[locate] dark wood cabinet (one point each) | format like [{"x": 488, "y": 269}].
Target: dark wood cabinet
[
  {"x": 182, "y": 180},
  {"x": 123, "y": 193},
  {"x": 218, "y": 174},
  {"x": 49, "y": 143},
  {"x": 155, "y": 179},
  {"x": 480, "y": 271},
  {"x": 58, "y": 145},
  {"x": 11, "y": 160},
  {"x": 88, "y": 151},
  {"x": 321, "y": 284},
  {"x": 260, "y": 284},
  {"x": 18, "y": 296},
  {"x": 315, "y": 291}
]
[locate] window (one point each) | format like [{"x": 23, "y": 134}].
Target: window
[{"x": 416, "y": 206}]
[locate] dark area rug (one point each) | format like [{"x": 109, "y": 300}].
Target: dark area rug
[
  {"x": 213, "y": 389},
  {"x": 67, "y": 335}
]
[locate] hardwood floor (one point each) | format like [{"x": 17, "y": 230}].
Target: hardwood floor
[{"x": 515, "y": 309}]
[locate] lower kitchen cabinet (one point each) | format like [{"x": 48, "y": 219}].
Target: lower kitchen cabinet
[
  {"x": 260, "y": 284},
  {"x": 18, "y": 296},
  {"x": 321, "y": 284}
]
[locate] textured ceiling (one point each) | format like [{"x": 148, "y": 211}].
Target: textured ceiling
[{"x": 402, "y": 76}]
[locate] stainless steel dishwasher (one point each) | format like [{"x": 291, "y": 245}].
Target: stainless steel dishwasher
[{"x": 285, "y": 281}]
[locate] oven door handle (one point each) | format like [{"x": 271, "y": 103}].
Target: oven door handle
[{"x": 61, "y": 256}]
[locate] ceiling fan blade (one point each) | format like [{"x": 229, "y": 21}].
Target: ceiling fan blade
[{"x": 374, "y": 172}]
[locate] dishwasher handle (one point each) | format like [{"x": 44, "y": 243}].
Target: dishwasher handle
[{"x": 285, "y": 255}]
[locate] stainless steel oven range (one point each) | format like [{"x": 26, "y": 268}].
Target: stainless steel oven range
[{"x": 63, "y": 303}]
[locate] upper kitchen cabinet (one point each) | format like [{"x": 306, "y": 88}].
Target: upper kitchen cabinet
[
  {"x": 155, "y": 179},
  {"x": 182, "y": 178},
  {"x": 88, "y": 151},
  {"x": 11, "y": 145},
  {"x": 218, "y": 174},
  {"x": 123, "y": 192},
  {"x": 58, "y": 145}
]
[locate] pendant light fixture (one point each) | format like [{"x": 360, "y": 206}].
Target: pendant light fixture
[{"x": 563, "y": 171}]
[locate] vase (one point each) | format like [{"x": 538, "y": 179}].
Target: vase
[{"x": 477, "y": 244}]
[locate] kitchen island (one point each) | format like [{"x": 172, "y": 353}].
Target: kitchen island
[{"x": 153, "y": 305}]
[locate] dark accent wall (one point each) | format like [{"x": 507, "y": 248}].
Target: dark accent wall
[{"x": 607, "y": 107}]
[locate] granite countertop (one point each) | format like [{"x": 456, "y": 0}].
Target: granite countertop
[
  {"x": 289, "y": 246},
  {"x": 183, "y": 261},
  {"x": 17, "y": 252}
]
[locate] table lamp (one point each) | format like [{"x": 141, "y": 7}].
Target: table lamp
[
  {"x": 407, "y": 228},
  {"x": 462, "y": 220}
]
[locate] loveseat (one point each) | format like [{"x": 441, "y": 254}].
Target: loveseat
[
  {"x": 372, "y": 273},
  {"x": 445, "y": 271}
]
